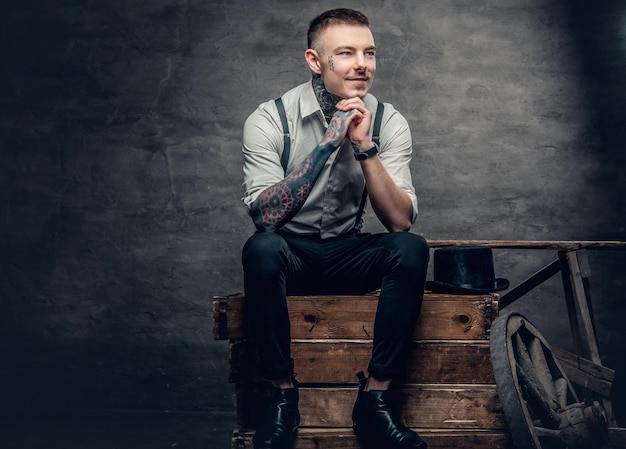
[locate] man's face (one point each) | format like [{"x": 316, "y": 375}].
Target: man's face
[{"x": 346, "y": 60}]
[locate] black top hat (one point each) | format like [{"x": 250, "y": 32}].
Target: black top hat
[{"x": 464, "y": 270}]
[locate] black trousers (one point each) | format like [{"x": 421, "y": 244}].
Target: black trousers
[{"x": 276, "y": 265}]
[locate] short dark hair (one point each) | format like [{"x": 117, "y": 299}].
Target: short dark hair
[{"x": 339, "y": 16}]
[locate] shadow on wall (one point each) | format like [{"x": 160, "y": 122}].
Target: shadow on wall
[
  {"x": 105, "y": 225},
  {"x": 599, "y": 29}
]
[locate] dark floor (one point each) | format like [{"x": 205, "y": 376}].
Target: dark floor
[
  {"x": 116, "y": 430},
  {"x": 89, "y": 429}
]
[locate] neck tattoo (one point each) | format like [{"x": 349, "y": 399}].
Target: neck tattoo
[{"x": 326, "y": 100}]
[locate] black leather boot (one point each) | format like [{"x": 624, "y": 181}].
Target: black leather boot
[
  {"x": 374, "y": 424},
  {"x": 279, "y": 426}
]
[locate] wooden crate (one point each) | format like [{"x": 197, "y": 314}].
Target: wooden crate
[
  {"x": 434, "y": 406},
  {"x": 443, "y": 317},
  {"x": 448, "y": 395},
  {"x": 345, "y": 439},
  {"x": 337, "y": 361}
]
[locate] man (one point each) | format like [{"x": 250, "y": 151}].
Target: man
[{"x": 308, "y": 220}]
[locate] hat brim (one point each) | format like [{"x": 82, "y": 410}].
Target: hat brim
[{"x": 443, "y": 287}]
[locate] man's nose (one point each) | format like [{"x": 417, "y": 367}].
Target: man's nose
[{"x": 359, "y": 64}]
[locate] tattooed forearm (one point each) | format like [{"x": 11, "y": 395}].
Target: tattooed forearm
[{"x": 280, "y": 202}]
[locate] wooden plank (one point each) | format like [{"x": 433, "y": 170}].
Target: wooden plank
[
  {"x": 581, "y": 299},
  {"x": 561, "y": 245},
  {"x": 586, "y": 373},
  {"x": 227, "y": 317},
  {"x": 345, "y": 439},
  {"x": 580, "y": 292},
  {"x": 529, "y": 284},
  {"x": 617, "y": 438},
  {"x": 456, "y": 317},
  {"x": 452, "y": 406},
  {"x": 337, "y": 361}
]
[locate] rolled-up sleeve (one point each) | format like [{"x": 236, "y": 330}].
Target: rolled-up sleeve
[
  {"x": 396, "y": 150},
  {"x": 262, "y": 148}
]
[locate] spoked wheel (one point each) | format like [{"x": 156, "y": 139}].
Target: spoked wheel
[{"x": 540, "y": 405}]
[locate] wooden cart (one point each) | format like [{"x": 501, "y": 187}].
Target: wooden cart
[{"x": 535, "y": 381}]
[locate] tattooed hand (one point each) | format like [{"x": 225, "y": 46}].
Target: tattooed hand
[
  {"x": 338, "y": 127},
  {"x": 359, "y": 129}
]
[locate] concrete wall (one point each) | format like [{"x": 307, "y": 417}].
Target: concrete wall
[{"x": 121, "y": 170}]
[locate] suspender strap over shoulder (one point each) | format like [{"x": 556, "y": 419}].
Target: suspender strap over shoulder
[{"x": 284, "y": 158}]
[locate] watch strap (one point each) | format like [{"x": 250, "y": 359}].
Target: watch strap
[{"x": 362, "y": 155}]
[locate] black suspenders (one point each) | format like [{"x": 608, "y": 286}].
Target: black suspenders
[
  {"x": 284, "y": 158},
  {"x": 378, "y": 118}
]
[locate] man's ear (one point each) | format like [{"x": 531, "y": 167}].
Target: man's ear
[{"x": 313, "y": 61}]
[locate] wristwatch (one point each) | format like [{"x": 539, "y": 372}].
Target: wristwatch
[{"x": 361, "y": 156}]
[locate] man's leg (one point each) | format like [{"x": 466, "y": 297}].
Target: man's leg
[
  {"x": 399, "y": 304},
  {"x": 396, "y": 263},
  {"x": 402, "y": 265},
  {"x": 266, "y": 260}
]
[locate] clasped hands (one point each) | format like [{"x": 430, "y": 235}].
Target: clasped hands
[{"x": 352, "y": 120}]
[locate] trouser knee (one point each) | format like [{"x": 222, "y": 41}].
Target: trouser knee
[
  {"x": 263, "y": 255},
  {"x": 412, "y": 251}
]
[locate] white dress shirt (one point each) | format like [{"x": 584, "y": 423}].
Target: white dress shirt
[{"x": 332, "y": 206}]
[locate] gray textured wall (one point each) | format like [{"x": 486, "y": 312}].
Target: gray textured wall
[{"x": 121, "y": 169}]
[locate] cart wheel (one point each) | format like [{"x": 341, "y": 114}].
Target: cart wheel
[{"x": 540, "y": 405}]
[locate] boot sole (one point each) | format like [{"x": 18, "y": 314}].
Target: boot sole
[{"x": 366, "y": 441}]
